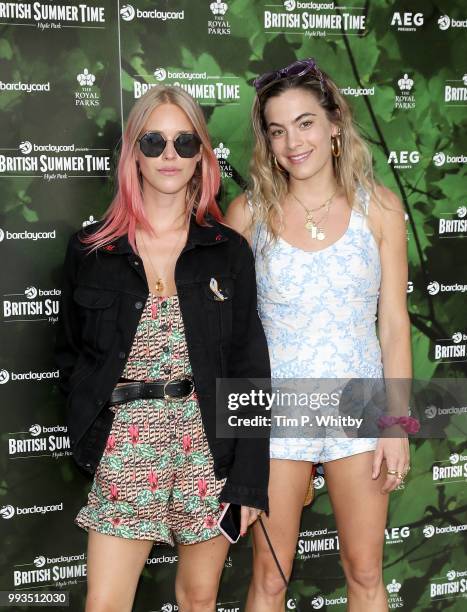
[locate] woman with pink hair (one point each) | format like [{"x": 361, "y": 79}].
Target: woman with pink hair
[{"x": 158, "y": 300}]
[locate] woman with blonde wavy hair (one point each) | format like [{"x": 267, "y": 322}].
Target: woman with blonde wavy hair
[
  {"x": 158, "y": 301},
  {"x": 330, "y": 248}
]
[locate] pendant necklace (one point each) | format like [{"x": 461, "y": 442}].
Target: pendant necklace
[
  {"x": 160, "y": 284},
  {"x": 315, "y": 226}
]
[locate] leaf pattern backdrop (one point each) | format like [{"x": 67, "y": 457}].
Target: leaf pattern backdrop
[{"x": 229, "y": 43}]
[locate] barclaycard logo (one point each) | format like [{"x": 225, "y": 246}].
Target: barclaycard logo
[
  {"x": 39, "y": 561},
  {"x": 25, "y": 147},
  {"x": 7, "y": 512},
  {"x": 317, "y": 602},
  {"x": 127, "y": 12},
  {"x": 444, "y": 22},
  {"x": 318, "y": 482},
  {"x": 440, "y": 158},
  {"x": 160, "y": 74}
]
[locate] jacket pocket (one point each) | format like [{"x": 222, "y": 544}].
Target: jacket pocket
[{"x": 98, "y": 310}]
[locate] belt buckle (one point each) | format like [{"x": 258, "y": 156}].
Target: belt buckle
[{"x": 170, "y": 398}]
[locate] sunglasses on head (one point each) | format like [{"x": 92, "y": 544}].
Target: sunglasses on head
[
  {"x": 152, "y": 144},
  {"x": 295, "y": 69}
]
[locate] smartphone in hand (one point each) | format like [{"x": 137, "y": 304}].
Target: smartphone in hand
[{"x": 230, "y": 521}]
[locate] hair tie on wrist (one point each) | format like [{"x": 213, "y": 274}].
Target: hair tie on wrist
[{"x": 409, "y": 424}]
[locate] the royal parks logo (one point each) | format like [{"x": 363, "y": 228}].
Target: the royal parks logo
[
  {"x": 207, "y": 88},
  {"x": 128, "y": 12},
  {"x": 394, "y": 600},
  {"x": 50, "y": 16},
  {"x": 405, "y": 98},
  {"x": 218, "y": 22},
  {"x": 445, "y": 22},
  {"x": 407, "y": 21},
  {"x": 312, "y": 18},
  {"x": 88, "y": 95},
  {"x": 54, "y": 161},
  {"x": 222, "y": 153}
]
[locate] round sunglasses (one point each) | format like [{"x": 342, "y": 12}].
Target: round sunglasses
[{"x": 152, "y": 144}]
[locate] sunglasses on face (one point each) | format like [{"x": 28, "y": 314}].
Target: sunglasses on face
[{"x": 152, "y": 144}]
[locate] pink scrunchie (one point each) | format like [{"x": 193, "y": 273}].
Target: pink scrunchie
[{"x": 409, "y": 424}]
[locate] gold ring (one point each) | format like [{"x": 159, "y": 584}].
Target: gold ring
[{"x": 393, "y": 472}]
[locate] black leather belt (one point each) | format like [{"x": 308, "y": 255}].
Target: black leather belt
[{"x": 173, "y": 389}]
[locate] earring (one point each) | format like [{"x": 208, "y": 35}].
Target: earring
[
  {"x": 278, "y": 166},
  {"x": 336, "y": 144}
]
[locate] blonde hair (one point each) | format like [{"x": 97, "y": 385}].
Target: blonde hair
[
  {"x": 269, "y": 183},
  {"x": 127, "y": 210}
]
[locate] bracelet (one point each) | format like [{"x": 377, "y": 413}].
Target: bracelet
[{"x": 409, "y": 424}]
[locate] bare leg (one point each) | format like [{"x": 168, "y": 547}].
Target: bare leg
[
  {"x": 288, "y": 483},
  {"x": 198, "y": 574},
  {"x": 361, "y": 511},
  {"x": 114, "y": 567}
]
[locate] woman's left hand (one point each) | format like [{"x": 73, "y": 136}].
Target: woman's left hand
[
  {"x": 395, "y": 451},
  {"x": 248, "y": 517}
]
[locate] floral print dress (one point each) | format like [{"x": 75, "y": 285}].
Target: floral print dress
[{"x": 155, "y": 480}]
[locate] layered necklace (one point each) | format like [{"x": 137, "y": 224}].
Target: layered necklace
[{"x": 313, "y": 225}]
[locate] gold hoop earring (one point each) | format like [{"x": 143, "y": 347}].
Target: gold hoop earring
[
  {"x": 336, "y": 144},
  {"x": 278, "y": 166}
]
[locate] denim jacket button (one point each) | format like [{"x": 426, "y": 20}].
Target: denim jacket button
[{"x": 138, "y": 305}]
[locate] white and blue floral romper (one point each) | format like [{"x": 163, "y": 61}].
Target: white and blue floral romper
[{"x": 318, "y": 311}]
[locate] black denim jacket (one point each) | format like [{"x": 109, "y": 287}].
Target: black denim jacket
[{"x": 103, "y": 296}]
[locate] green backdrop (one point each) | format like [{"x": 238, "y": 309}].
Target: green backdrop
[{"x": 68, "y": 76}]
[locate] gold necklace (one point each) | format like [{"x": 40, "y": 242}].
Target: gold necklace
[
  {"x": 315, "y": 226},
  {"x": 160, "y": 285}
]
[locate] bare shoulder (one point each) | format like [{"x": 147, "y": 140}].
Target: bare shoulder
[
  {"x": 239, "y": 216},
  {"x": 390, "y": 201},
  {"x": 387, "y": 212}
]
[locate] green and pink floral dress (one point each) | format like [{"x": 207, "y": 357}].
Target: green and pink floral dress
[{"x": 156, "y": 480}]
